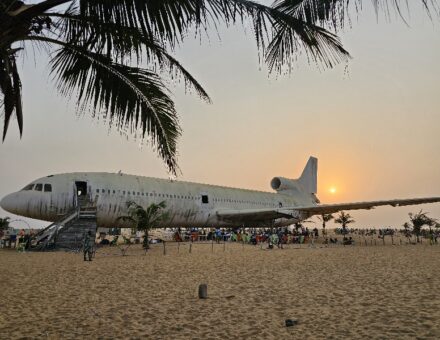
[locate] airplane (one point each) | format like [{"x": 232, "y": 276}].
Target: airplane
[{"x": 188, "y": 204}]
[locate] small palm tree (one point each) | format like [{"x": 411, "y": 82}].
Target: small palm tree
[
  {"x": 145, "y": 219},
  {"x": 325, "y": 218},
  {"x": 344, "y": 219},
  {"x": 407, "y": 231},
  {"x": 418, "y": 221},
  {"x": 4, "y": 223}
]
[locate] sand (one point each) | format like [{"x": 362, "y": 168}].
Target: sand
[{"x": 374, "y": 292}]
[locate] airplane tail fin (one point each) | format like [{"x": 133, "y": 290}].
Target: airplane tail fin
[
  {"x": 306, "y": 183},
  {"x": 309, "y": 176}
]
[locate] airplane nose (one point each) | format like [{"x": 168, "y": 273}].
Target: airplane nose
[{"x": 7, "y": 203}]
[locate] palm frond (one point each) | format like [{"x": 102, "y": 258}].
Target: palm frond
[
  {"x": 334, "y": 14},
  {"x": 124, "y": 43},
  {"x": 169, "y": 21},
  {"x": 131, "y": 98},
  {"x": 10, "y": 86}
]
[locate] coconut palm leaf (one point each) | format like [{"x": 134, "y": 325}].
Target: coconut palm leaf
[
  {"x": 124, "y": 43},
  {"x": 133, "y": 99},
  {"x": 170, "y": 20},
  {"x": 336, "y": 13},
  {"x": 10, "y": 86}
]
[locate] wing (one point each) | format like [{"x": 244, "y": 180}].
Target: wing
[
  {"x": 302, "y": 212},
  {"x": 333, "y": 208}
]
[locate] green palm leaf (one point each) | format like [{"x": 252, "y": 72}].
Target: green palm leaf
[
  {"x": 10, "y": 86},
  {"x": 124, "y": 43},
  {"x": 133, "y": 99}
]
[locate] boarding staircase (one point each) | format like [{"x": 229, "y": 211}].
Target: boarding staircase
[{"x": 67, "y": 233}]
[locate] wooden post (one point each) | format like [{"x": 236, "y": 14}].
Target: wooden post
[
  {"x": 190, "y": 247},
  {"x": 164, "y": 248},
  {"x": 383, "y": 239},
  {"x": 392, "y": 240},
  {"x": 224, "y": 245},
  {"x": 203, "y": 291},
  {"x": 375, "y": 242},
  {"x": 365, "y": 242},
  {"x": 400, "y": 241},
  {"x": 212, "y": 246}
]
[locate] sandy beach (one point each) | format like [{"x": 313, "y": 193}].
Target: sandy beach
[{"x": 386, "y": 292}]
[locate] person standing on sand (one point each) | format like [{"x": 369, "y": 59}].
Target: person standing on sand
[{"x": 88, "y": 245}]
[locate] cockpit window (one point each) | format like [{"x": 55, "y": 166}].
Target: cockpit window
[
  {"x": 47, "y": 188},
  {"x": 28, "y": 187},
  {"x": 39, "y": 187}
]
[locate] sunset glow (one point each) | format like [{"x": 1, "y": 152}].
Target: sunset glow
[{"x": 332, "y": 190}]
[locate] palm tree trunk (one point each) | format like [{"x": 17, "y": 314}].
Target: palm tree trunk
[{"x": 147, "y": 244}]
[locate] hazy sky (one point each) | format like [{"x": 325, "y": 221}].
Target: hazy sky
[{"x": 373, "y": 124}]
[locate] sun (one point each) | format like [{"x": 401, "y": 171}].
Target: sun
[{"x": 332, "y": 190}]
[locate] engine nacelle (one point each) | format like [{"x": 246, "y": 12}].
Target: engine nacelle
[{"x": 281, "y": 183}]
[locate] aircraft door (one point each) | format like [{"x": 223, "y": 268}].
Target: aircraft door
[
  {"x": 82, "y": 192},
  {"x": 206, "y": 205}
]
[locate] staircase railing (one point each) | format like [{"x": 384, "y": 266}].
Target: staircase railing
[{"x": 42, "y": 239}]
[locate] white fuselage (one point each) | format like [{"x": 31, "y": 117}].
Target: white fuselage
[{"x": 188, "y": 204}]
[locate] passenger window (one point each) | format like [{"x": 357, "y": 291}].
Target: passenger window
[
  {"x": 47, "y": 188},
  {"x": 205, "y": 199},
  {"x": 97, "y": 191},
  {"x": 28, "y": 187},
  {"x": 39, "y": 187}
]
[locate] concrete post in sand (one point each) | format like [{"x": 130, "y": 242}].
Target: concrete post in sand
[{"x": 203, "y": 291}]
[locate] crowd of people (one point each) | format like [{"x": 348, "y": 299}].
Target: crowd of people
[
  {"x": 272, "y": 236},
  {"x": 20, "y": 239},
  {"x": 13, "y": 238}
]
